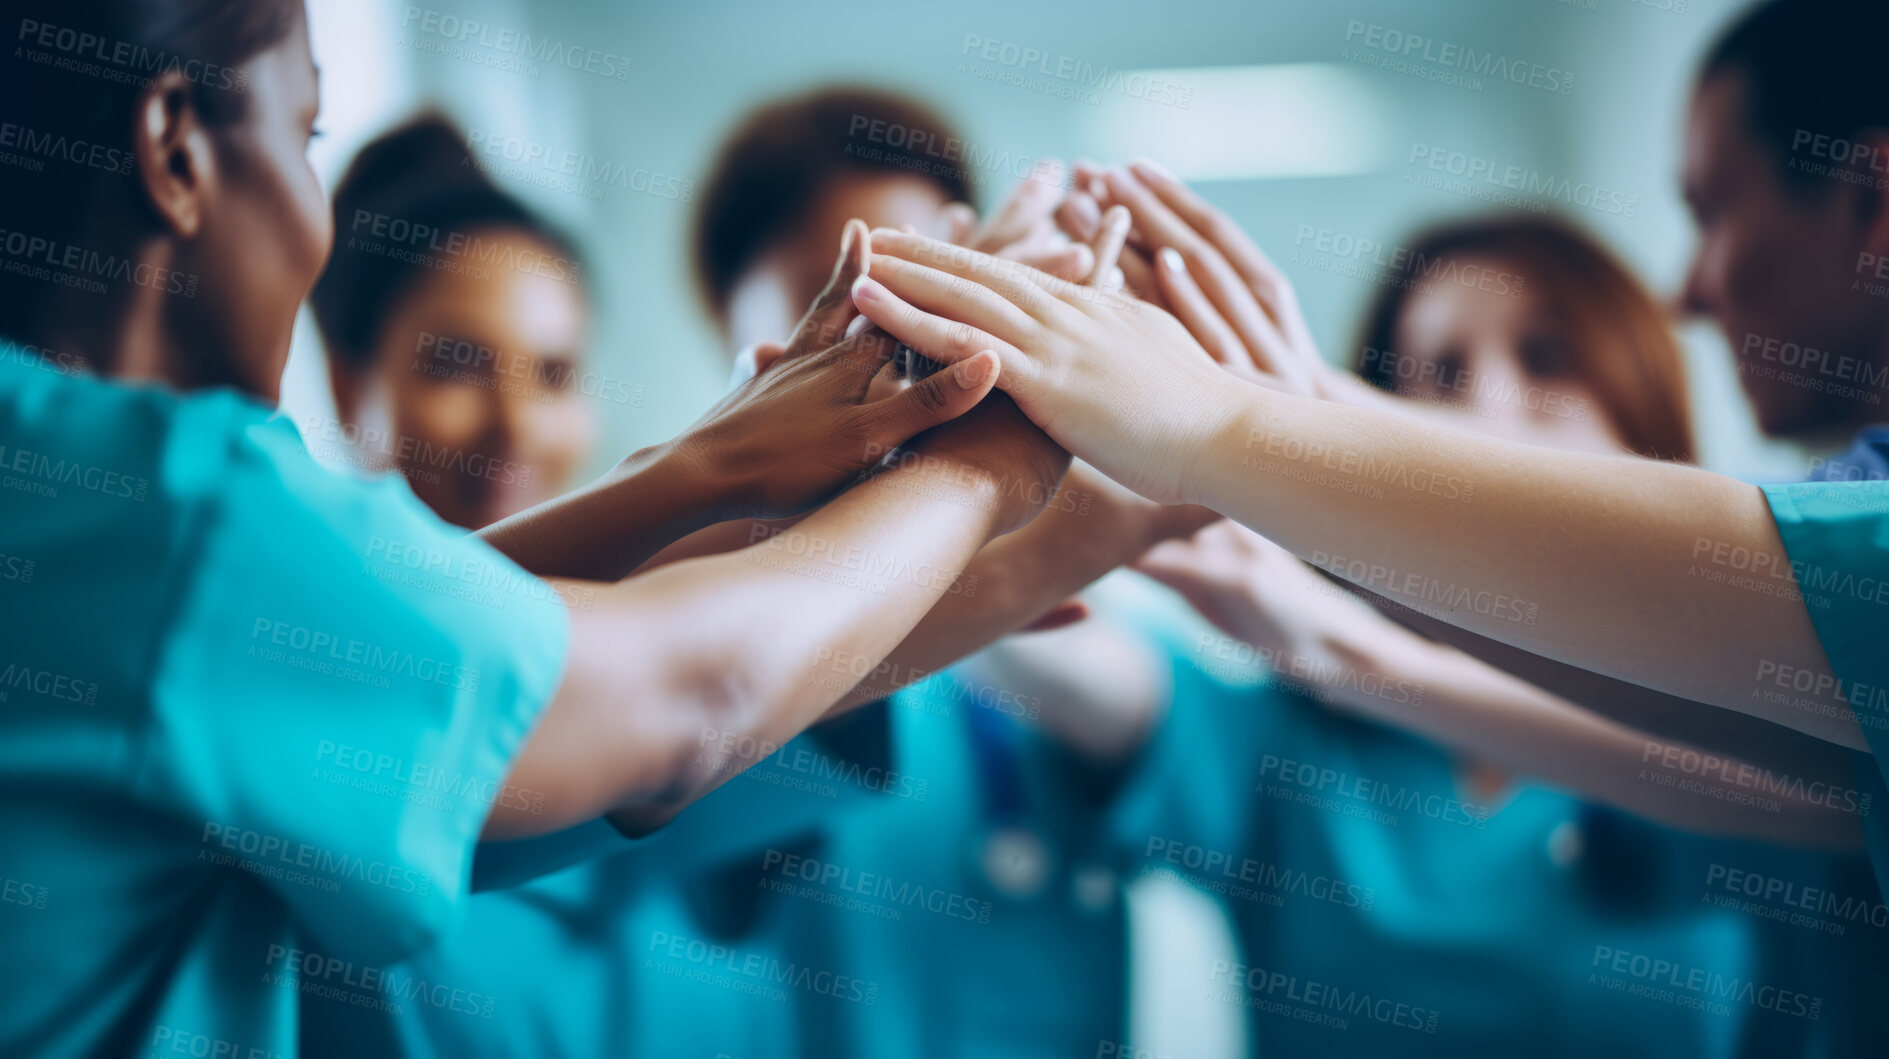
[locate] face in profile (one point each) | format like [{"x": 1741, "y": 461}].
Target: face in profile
[
  {"x": 774, "y": 293},
  {"x": 1774, "y": 264},
  {"x": 266, "y": 227},
  {"x": 1502, "y": 354},
  {"x": 477, "y": 380}
]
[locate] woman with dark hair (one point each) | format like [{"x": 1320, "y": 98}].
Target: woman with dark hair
[
  {"x": 1523, "y": 328},
  {"x": 253, "y": 729},
  {"x": 951, "y": 758},
  {"x": 1489, "y": 834},
  {"x": 455, "y": 321},
  {"x": 1582, "y": 337}
]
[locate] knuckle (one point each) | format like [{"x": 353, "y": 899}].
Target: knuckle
[{"x": 930, "y": 396}]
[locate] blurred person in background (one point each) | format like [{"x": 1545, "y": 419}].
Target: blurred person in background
[
  {"x": 206, "y": 842},
  {"x": 628, "y": 927},
  {"x": 455, "y": 322},
  {"x": 1476, "y": 900}
]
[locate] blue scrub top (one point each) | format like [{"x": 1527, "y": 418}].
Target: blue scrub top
[
  {"x": 1836, "y": 535},
  {"x": 1382, "y": 911},
  {"x": 670, "y": 944},
  {"x": 838, "y": 899},
  {"x": 250, "y": 728}
]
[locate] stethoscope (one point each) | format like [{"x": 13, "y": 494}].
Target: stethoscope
[{"x": 1012, "y": 857}]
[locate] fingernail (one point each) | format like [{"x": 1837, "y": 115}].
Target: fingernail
[
  {"x": 864, "y": 289},
  {"x": 1149, "y": 166},
  {"x": 978, "y": 370},
  {"x": 1118, "y": 217},
  {"x": 1172, "y": 260},
  {"x": 856, "y": 325}
]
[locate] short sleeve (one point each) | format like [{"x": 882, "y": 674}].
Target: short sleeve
[
  {"x": 343, "y": 690},
  {"x": 1836, "y": 535},
  {"x": 833, "y": 769}
]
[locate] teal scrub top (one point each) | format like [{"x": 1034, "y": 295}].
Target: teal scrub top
[
  {"x": 1836, "y": 535},
  {"x": 250, "y": 725},
  {"x": 1381, "y": 911},
  {"x": 822, "y": 903}
]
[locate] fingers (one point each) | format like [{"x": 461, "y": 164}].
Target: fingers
[
  {"x": 939, "y": 399},
  {"x": 1080, "y": 216},
  {"x": 826, "y": 322},
  {"x": 1251, "y": 263},
  {"x": 1223, "y": 286},
  {"x": 1109, "y": 240},
  {"x": 960, "y": 299},
  {"x": 956, "y": 222},
  {"x": 1030, "y": 207},
  {"x": 1073, "y": 262},
  {"x": 945, "y": 341},
  {"x": 1138, "y": 276},
  {"x": 1187, "y": 303},
  {"x": 1020, "y": 285},
  {"x": 766, "y": 355},
  {"x": 1178, "y": 565},
  {"x": 1266, "y": 281}
]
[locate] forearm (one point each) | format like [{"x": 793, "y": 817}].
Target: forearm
[
  {"x": 688, "y": 674},
  {"x": 1376, "y": 669},
  {"x": 1660, "y": 716},
  {"x": 1592, "y": 560},
  {"x": 608, "y": 528},
  {"x": 1010, "y": 583}
]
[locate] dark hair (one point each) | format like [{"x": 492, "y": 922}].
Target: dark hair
[
  {"x": 778, "y": 162},
  {"x": 1814, "y": 66},
  {"x": 411, "y": 203},
  {"x": 114, "y": 50},
  {"x": 1623, "y": 347}
]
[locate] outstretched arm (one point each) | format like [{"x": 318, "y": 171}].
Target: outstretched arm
[
  {"x": 1317, "y": 634},
  {"x": 779, "y": 445},
  {"x": 680, "y": 676},
  {"x": 1613, "y": 564}
]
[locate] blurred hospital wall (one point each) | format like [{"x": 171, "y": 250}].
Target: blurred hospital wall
[{"x": 1319, "y": 126}]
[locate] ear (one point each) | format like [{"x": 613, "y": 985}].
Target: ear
[{"x": 172, "y": 146}]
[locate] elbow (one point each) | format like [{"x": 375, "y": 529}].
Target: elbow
[{"x": 704, "y": 733}]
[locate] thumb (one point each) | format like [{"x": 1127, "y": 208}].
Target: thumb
[
  {"x": 939, "y": 399},
  {"x": 825, "y": 323}
]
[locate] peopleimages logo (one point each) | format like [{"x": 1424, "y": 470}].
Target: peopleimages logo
[
  {"x": 77, "y": 50},
  {"x": 1457, "y": 58},
  {"x": 518, "y": 43},
  {"x": 1073, "y": 74},
  {"x": 1478, "y": 170}
]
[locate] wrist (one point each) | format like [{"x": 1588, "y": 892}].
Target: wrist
[
  {"x": 935, "y": 476},
  {"x": 678, "y": 483},
  {"x": 1223, "y": 426}
]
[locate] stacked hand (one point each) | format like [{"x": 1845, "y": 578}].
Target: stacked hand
[
  {"x": 806, "y": 427},
  {"x": 1254, "y": 590},
  {"x": 1116, "y": 381},
  {"x": 1205, "y": 269}
]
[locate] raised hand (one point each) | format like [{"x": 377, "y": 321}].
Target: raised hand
[
  {"x": 1117, "y": 382},
  {"x": 1253, "y": 590},
  {"x": 1216, "y": 279},
  {"x": 805, "y": 427}
]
